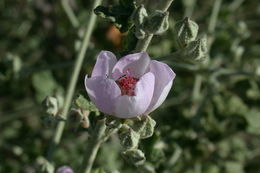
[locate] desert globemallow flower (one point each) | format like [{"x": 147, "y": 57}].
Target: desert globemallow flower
[{"x": 134, "y": 85}]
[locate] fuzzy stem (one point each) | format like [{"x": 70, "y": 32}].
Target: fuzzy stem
[
  {"x": 73, "y": 81},
  {"x": 71, "y": 15},
  {"x": 143, "y": 44},
  {"x": 93, "y": 147},
  {"x": 213, "y": 21}
]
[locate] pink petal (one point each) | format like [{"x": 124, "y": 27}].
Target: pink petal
[
  {"x": 131, "y": 106},
  {"x": 103, "y": 93},
  {"x": 163, "y": 82},
  {"x": 137, "y": 64},
  {"x": 105, "y": 62}
]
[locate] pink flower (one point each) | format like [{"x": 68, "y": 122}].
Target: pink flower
[
  {"x": 64, "y": 169},
  {"x": 134, "y": 85}
]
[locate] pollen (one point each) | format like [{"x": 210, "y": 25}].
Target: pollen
[{"x": 127, "y": 85}]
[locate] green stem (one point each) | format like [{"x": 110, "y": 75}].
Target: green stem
[
  {"x": 71, "y": 15},
  {"x": 196, "y": 87},
  {"x": 73, "y": 81},
  {"x": 214, "y": 16},
  {"x": 143, "y": 44},
  {"x": 213, "y": 21},
  {"x": 196, "y": 93},
  {"x": 93, "y": 146}
]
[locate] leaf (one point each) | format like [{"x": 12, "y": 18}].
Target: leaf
[
  {"x": 84, "y": 104},
  {"x": 253, "y": 120},
  {"x": 118, "y": 14},
  {"x": 44, "y": 84},
  {"x": 232, "y": 167}
]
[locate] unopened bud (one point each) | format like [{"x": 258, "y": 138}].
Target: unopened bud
[
  {"x": 144, "y": 127},
  {"x": 134, "y": 156},
  {"x": 128, "y": 137},
  {"x": 186, "y": 31},
  {"x": 157, "y": 23},
  {"x": 197, "y": 50}
]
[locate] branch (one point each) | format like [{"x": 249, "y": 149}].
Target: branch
[{"x": 73, "y": 81}]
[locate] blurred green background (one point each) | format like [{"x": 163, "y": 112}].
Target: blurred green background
[{"x": 210, "y": 122}]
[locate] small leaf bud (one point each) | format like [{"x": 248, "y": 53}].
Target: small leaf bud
[{"x": 51, "y": 105}]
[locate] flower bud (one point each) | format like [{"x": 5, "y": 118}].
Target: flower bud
[
  {"x": 64, "y": 169},
  {"x": 186, "y": 31},
  {"x": 144, "y": 127},
  {"x": 128, "y": 137},
  {"x": 134, "y": 156},
  {"x": 51, "y": 108},
  {"x": 51, "y": 105},
  {"x": 157, "y": 23},
  {"x": 197, "y": 50}
]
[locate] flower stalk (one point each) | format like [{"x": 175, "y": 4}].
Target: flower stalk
[
  {"x": 73, "y": 81},
  {"x": 93, "y": 146}
]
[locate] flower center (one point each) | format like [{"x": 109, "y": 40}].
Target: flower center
[{"x": 127, "y": 84}]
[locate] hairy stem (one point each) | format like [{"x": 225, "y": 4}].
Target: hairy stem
[
  {"x": 73, "y": 81},
  {"x": 93, "y": 146},
  {"x": 214, "y": 16},
  {"x": 143, "y": 44}
]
